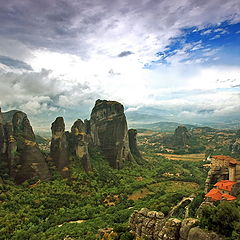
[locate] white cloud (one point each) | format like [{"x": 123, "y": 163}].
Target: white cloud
[
  {"x": 207, "y": 32},
  {"x": 79, "y": 41}
]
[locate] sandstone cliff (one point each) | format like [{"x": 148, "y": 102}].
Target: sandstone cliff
[
  {"x": 80, "y": 141},
  {"x": 109, "y": 131},
  {"x": 2, "y": 136},
  {"x": 20, "y": 150},
  {"x": 132, "y": 137},
  {"x": 59, "y": 147}
]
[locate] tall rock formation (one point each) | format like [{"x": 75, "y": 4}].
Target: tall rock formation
[
  {"x": 132, "y": 137},
  {"x": 11, "y": 150},
  {"x": 181, "y": 137},
  {"x": 78, "y": 143},
  {"x": 31, "y": 162},
  {"x": 19, "y": 150},
  {"x": 109, "y": 132},
  {"x": 2, "y": 136},
  {"x": 59, "y": 147}
]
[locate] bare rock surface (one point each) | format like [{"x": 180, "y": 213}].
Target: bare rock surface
[
  {"x": 132, "y": 137},
  {"x": 152, "y": 225},
  {"x": 59, "y": 146},
  {"x": 181, "y": 136},
  {"x": 79, "y": 143},
  {"x": 109, "y": 132}
]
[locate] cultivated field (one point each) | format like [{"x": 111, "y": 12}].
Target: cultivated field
[{"x": 184, "y": 157}]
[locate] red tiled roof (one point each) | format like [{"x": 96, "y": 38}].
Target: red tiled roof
[
  {"x": 225, "y": 185},
  {"x": 228, "y": 197},
  {"x": 229, "y": 159},
  {"x": 214, "y": 194}
]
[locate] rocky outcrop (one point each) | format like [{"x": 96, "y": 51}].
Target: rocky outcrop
[
  {"x": 59, "y": 151},
  {"x": 31, "y": 161},
  {"x": 181, "y": 137},
  {"x": 186, "y": 226},
  {"x": 109, "y": 131},
  {"x": 200, "y": 234},
  {"x": 65, "y": 145},
  {"x": 19, "y": 149},
  {"x": 11, "y": 149},
  {"x": 79, "y": 143},
  {"x": 153, "y": 225},
  {"x": 132, "y": 138},
  {"x": 2, "y": 136}
]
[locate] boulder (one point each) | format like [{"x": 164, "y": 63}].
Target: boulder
[
  {"x": 152, "y": 225},
  {"x": 200, "y": 234},
  {"x": 170, "y": 230},
  {"x": 109, "y": 132},
  {"x": 59, "y": 147},
  {"x": 187, "y": 224}
]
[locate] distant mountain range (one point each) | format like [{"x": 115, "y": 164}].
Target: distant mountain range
[
  {"x": 171, "y": 126},
  {"x": 162, "y": 126}
]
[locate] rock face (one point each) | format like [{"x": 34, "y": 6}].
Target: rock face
[
  {"x": 181, "y": 137},
  {"x": 132, "y": 137},
  {"x": 197, "y": 233},
  {"x": 65, "y": 145},
  {"x": 59, "y": 146},
  {"x": 186, "y": 225},
  {"x": 214, "y": 175},
  {"x": 79, "y": 142},
  {"x": 109, "y": 132},
  {"x": 20, "y": 150},
  {"x": 152, "y": 225},
  {"x": 2, "y": 136},
  {"x": 32, "y": 161}
]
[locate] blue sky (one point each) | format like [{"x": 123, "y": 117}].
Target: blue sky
[
  {"x": 212, "y": 45},
  {"x": 164, "y": 60}
]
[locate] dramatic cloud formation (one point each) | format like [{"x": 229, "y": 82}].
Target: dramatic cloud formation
[{"x": 176, "y": 60}]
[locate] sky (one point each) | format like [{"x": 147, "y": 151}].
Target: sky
[{"x": 163, "y": 60}]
